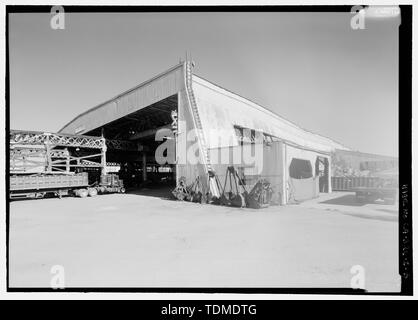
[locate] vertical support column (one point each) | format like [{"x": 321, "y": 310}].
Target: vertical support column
[
  {"x": 103, "y": 157},
  {"x": 176, "y": 136},
  {"x": 144, "y": 167},
  {"x": 48, "y": 157},
  {"x": 329, "y": 176},
  {"x": 282, "y": 170},
  {"x": 67, "y": 161},
  {"x": 184, "y": 123}
]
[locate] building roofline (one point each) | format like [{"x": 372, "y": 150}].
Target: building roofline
[
  {"x": 356, "y": 152},
  {"x": 123, "y": 93},
  {"x": 181, "y": 64},
  {"x": 272, "y": 112}
]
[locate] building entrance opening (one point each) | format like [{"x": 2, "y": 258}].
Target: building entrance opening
[
  {"x": 322, "y": 172},
  {"x": 134, "y": 159}
]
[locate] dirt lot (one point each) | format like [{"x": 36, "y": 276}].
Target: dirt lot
[{"x": 133, "y": 240}]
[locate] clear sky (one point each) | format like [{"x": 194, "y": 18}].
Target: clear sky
[{"x": 310, "y": 68}]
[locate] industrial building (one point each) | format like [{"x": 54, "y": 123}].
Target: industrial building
[{"x": 166, "y": 108}]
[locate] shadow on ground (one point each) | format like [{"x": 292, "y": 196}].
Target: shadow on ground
[
  {"x": 156, "y": 191},
  {"x": 394, "y": 212},
  {"x": 346, "y": 200},
  {"x": 351, "y": 200}
]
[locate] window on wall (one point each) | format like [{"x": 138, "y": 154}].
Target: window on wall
[
  {"x": 238, "y": 133},
  {"x": 247, "y": 135},
  {"x": 300, "y": 169},
  {"x": 244, "y": 135},
  {"x": 267, "y": 139}
]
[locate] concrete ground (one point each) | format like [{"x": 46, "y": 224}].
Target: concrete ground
[{"x": 139, "y": 240}]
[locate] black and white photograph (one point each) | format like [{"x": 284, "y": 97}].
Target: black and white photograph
[{"x": 195, "y": 149}]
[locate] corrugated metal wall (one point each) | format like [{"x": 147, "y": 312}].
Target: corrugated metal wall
[
  {"x": 271, "y": 168},
  {"x": 184, "y": 166}
]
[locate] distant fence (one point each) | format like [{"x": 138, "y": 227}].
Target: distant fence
[{"x": 347, "y": 183}]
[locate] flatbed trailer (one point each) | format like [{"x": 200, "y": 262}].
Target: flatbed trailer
[{"x": 37, "y": 186}]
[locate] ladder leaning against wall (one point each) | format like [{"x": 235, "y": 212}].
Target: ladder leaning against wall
[{"x": 203, "y": 149}]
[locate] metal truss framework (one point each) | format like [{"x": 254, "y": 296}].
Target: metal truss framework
[
  {"x": 65, "y": 140},
  {"x": 55, "y": 139},
  {"x": 123, "y": 145},
  {"x": 31, "y": 151}
]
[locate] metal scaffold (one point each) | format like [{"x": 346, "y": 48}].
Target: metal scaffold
[{"x": 45, "y": 152}]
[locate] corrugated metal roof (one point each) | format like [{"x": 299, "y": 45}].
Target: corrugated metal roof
[
  {"x": 172, "y": 81},
  {"x": 157, "y": 88},
  {"x": 220, "y": 107}
]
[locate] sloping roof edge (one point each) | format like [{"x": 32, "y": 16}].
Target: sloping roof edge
[
  {"x": 122, "y": 94},
  {"x": 268, "y": 111},
  {"x": 195, "y": 76}
]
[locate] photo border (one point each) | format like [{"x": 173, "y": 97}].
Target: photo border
[{"x": 405, "y": 145}]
